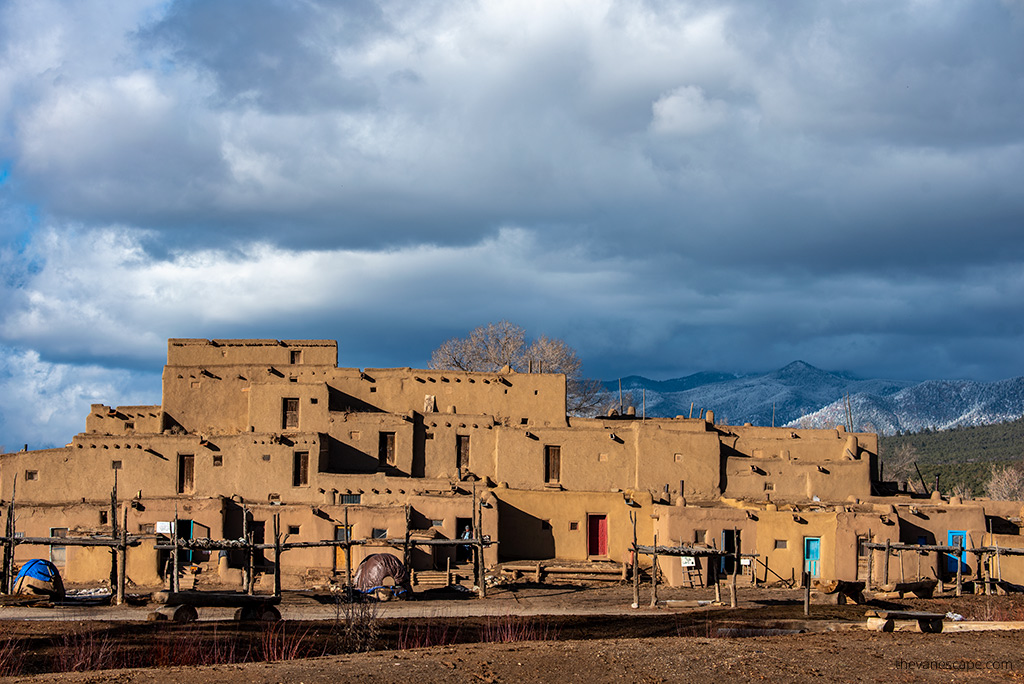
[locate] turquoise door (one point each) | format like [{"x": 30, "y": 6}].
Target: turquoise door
[
  {"x": 812, "y": 556},
  {"x": 956, "y": 537}
]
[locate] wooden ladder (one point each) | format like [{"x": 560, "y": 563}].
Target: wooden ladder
[{"x": 691, "y": 573}]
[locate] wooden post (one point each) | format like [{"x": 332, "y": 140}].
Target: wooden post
[
  {"x": 348, "y": 557},
  {"x": 900, "y": 554},
  {"x": 871, "y": 568},
  {"x": 713, "y": 568},
  {"x": 735, "y": 568},
  {"x": 654, "y": 575},
  {"x": 277, "y": 555},
  {"x": 9, "y": 544},
  {"x": 885, "y": 570},
  {"x": 122, "y": 556},
  {"x": 481, "y": 568},
  {"x": 406, "y": 558},
  {"x": 807, "y": 593},
  {"x": 636, "y": 564},
  {"x": 999, "y": 563},
  {"x": 247, "y": 552},
  {"x": 114, "y": 573},
  {"x": 959, "y": 567},
  {"x": 174, "y": 553}
]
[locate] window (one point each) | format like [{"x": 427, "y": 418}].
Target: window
[
  {"x": 350, "y": 498},
  {"x": 293, "y": 529},
  {"x": 603, "y": 458},
  {"x": 678, "y": 458},
  {"x": 31, "y": 475},
  {"x": 103, "y": 517},
  {"x": 573, "y": 526},
  {"x": 462, "y": 452},
  {"x": 115, "y": 465},
  {"x": 552, "y": 464},
  {"x": 699, "y": 536},
  {"x": 437, "y": 523},
  {"x": 57, "y": 553},
  {"x": 295, "y": 357},
  {"x": 300, "y": 469},
  {"x": 186, "y": 473},
  {"x": 342, "y": 533},
  {"x": 290, "y": 413},
  {"x": 129, "y": 426},
  {"x": 769, "y": 486},
  {"x": 218, "y": 460},
  {"x": 781, "y": 544},
  {"x": 379, "y": 533},
  {"x": 266, "y": 457},
  {"x": 386, "y": 449}
]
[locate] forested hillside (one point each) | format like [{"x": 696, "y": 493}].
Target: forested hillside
[{"x": 963, "y": 455}]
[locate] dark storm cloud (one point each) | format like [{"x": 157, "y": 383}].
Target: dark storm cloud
[{"x": 671, "y": 186}]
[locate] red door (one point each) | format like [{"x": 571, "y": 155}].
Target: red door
[{"x": 597, "y": 535}]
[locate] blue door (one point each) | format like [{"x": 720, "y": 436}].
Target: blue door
[
  {"x": 956, "y": 537},
  {"x": 812, "y": 555}
]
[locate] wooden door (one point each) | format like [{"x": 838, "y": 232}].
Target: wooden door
[{"x": 597, "y": 535}]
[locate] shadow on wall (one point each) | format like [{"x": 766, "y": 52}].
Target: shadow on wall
[
  {"x": 345, "y": 458},
  {"x": 523, "y": 536},
  {"x": 342, "y": 402}
]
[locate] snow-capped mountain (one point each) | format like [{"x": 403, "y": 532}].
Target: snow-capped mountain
[{"x": 802, "y": 395}]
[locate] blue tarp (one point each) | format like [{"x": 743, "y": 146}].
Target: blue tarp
[{"x": 39, "y": 569}]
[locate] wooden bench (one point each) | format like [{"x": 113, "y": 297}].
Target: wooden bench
[
  {"x": 182, "y": 606},
  {"x": 885, "y": 620}
]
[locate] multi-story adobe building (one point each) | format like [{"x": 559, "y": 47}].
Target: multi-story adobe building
[{"x": 276, "y": 427}]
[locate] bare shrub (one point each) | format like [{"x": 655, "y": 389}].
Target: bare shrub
[
  {"x": 509, "y": 629},
  {"x": 12, "y": 656},
  {"x": 276, "y": 643},
  {"x": 80, "y": 652},
  {"x": 1006, "y": 483},
  {"x": 422, "y": 634},
  {"x": 356, "y": 625}
]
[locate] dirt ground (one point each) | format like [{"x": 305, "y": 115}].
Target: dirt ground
[{"x": 551, "y": 633}]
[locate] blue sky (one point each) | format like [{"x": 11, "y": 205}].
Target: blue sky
[{"x": 669, "y": 186}]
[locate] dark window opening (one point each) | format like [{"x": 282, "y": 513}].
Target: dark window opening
[
  {"x": 115, "y": 465},
  {"x": 351, "y": 498},
  {"x": 295, "y": 357},
  {"x": 462, "y": 452},
  {"x": 186, "y": 473},
  {"x": 290, "y": 411},
  {"x": 386, "y": 449},
  {"x": 103, "y": 518},
  {"x": 379, "y": 533},
  {"x": 573, "y": 526},
  {"x": 293, "y": 529},
  {"x": 552, "y": 464},
  {"x": 343, "y": 533},
  {"x": 218, "y": 460},
  {"x": 300, "y": 469},
  {"x": 31, "y": 475},
  {"x": 266, "y": 457}
]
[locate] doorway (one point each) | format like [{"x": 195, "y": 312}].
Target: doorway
[
  {"x": 812, "y": 556},
  {"x": 955, "y": 538},
  {"x": 727, "y": 562},
  {"x": 464, "y": 530},
  {"x": 597, "y": 535}
]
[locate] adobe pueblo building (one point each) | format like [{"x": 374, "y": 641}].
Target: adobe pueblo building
[{"x": 247, "y": 429}]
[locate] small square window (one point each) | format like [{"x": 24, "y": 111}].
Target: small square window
[
  {"x": 350, "y": 498},
  {"x": 31, "y": 475},
  {"x": 115, "y": 465},
  {"x": 129, "y": 426},
  {"x": 103, "y": 517},
  {"x": 266, "y": 457},
  {"x": 524, "y": 421},
  {"x": 373, "y": 389},
  {"x": 437, "y": 523},
  {"x": 769, "y": 486},
  {"x": 218, "y": 460},
  {"x": 293, "y": 529},
  {"x": 781, "y": 543},
  {"x": 573, "y": 526},
  {"x": 379, "y": 533},
  {"x": 699, "y": 536}
]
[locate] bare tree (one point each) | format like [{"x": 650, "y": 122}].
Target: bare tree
[
  {"x": 1006, "y": 483},
  {"x": 494, "y": 346},
  {"x": 899, "y": 467}
]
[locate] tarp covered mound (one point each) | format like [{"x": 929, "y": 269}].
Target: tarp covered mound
[
  {"x": 39, "y": 576},
  {"x": 381, "y": 571}
]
